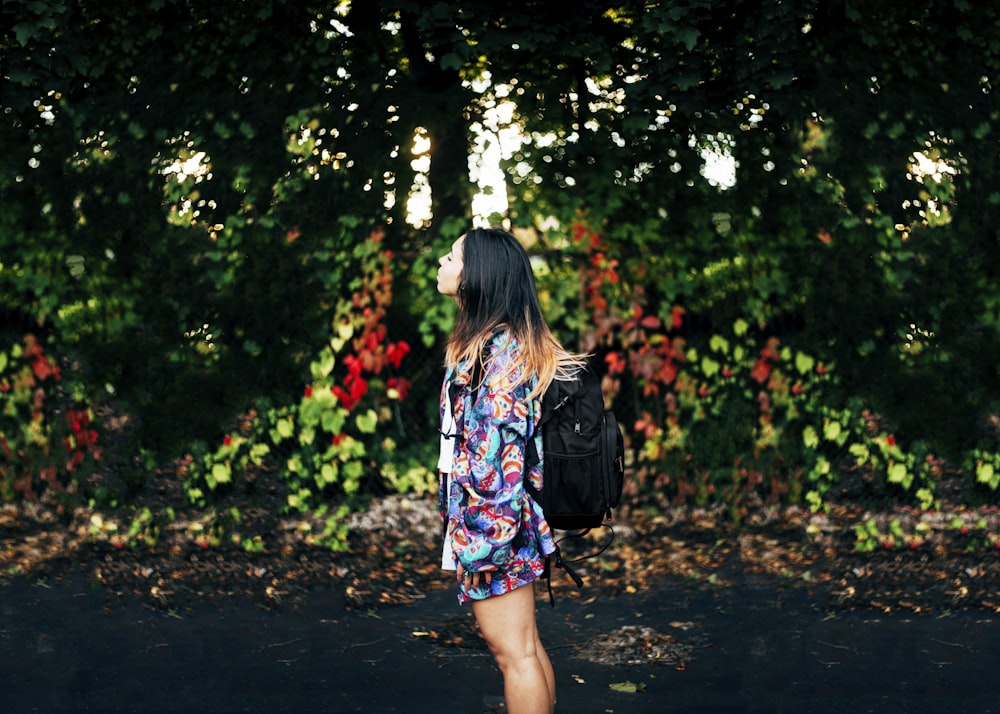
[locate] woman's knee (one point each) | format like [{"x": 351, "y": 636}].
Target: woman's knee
[
  {"x": 512, "y": 646},
  {"x": 517, "y": 659}
]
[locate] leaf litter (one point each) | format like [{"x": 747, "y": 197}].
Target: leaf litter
[{"x": 948, "y": 560}]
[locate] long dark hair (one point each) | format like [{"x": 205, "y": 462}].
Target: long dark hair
[{"x": 497, "y": 291}]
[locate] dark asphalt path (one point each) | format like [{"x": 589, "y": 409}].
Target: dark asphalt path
[{"x": 754, "y": 649}]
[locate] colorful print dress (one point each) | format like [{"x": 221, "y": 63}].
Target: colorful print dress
[{"x": 491, "y": 521}]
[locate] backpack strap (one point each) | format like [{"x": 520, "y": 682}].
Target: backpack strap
[
  {"x": 565, "y": 565},
  {"x": 559, "y": 563},
  {"x": 477, "y": 376},
  {"x": 549, "y": 408}
]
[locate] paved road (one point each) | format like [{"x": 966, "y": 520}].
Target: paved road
[{"x": 748, "y": 649}]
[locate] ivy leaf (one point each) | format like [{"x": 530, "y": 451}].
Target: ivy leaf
[
  {"x": 627, "y": 687},
  {"x": 366, "y": 422},
  {"x": 221, "y": 473},
  {"x": 322, "y": 367},
  {"x": 687, "y": 80},
  {"x": 804, "y": 363},
  {"x": 781, "y": 79},
  {"x": 718, "y": 343},
  {"x": 26, "y": 32},
  {"x": 860, "y": 452},
  {"x": 328, "y": 473},
  {"x": 451, "y": 61},
  {"x": 353, "y": 471},
  {"x": 333, "y": 420},
  {"x": 689, "y": 36},
  {"x": 284, "y": 428},
  {"x": 344, "y": 332}
]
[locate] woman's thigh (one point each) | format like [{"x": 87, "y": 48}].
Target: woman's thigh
[{"x": 508, "y": 621}]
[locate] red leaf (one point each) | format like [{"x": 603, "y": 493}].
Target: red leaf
[
  {"x": 354, "y": 365},
  {"x": 616, "y": 364},
  {"x": 396, "y": 353},
  {"x": 31, "y": 347},
  {"x": 667, "y": 373},
  {"x": 343, "y": 398},
  {"x": 358, "y": 389},
  {"x": 761, "y": 370},
  {"x": 42, "y": 368}
]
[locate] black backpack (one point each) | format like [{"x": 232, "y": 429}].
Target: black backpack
[
  {"x": 584, "y": 460},
  {"x": 584, "y": 469}
]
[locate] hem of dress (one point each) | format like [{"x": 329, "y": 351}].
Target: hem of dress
[{"x": 522, "y": 576}]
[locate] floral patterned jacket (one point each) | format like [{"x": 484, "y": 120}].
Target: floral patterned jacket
[{"x": 492, "y": 521}]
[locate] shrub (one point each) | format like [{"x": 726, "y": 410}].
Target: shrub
[
  {"x": 48, "y": 435},
  {"x": 736, "y": 417},
  {"x": 336, "y": 442}
]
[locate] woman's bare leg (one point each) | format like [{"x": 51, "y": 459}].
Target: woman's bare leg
[
  {"x": 509, "y": 627},
  {"x": 550, "y": 675}
]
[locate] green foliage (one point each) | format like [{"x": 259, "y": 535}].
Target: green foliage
[
  {"x": 178, "y": 211},
  {"x": 743, "y": 423},
  {"x": 860, "y": 220},
  {"x": 336, "y": 441},
  {"x": 184, "y": 187},
  {"x": 985, "y": 464},
  {"x": 49, "y": 438},
  {"x": 434, "y": 314},
  {"x": 966, "y": 531},
  {"x": 725, "y": 423},
  {"x": 737, "y": 417}
]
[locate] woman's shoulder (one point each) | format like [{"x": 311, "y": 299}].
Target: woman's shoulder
[
  {"x": 506, "y": 364},
  {"x": 504, "y": 346}
]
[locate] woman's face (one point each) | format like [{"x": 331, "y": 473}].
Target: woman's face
[{"x": 449, "y": 273}]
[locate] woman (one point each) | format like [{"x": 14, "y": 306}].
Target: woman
[{"x": 498, "y": 363}]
